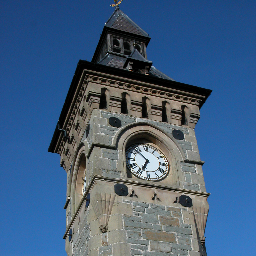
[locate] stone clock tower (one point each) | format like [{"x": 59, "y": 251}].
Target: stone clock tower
[{"x": 126, "y": 139}]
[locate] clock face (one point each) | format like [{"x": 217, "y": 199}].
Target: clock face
[{"x": 147, "y": 162}]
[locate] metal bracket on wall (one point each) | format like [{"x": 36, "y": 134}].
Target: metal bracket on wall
[
  {"x": 133, "y": 194},
  {"x": 155, "y": 197}
]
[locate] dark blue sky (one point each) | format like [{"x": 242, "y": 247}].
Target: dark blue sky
[{"x": 210, "y": 44}]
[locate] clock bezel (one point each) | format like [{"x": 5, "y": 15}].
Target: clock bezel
[{"x": 159, "y": 151}]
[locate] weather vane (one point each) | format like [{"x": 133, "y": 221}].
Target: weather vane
[{"x": 117, "y": 3}]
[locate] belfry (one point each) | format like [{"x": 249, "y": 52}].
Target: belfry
[{"x": 126, "y": 140}]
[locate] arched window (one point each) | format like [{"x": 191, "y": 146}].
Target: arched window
[
  {"x": 116, "y": 45},
  {"x": 78, "y": 182},
  {"x": 127, "y": 48}
]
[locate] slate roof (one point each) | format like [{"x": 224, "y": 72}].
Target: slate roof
[
  {"x": 135, "y": 55},
  {"x": 117, "y": 61},
  {"x": 121, "y": 21}
]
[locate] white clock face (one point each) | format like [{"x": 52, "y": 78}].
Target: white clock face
[{"x": 147, "y": 162}]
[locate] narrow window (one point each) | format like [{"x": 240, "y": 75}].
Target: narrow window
[
  {"x": 144, "y": 108},
  {"x": 124, "y": 109},
  {"x": 164, "y": 114},
  {"x": 103, "y": 99},
  {"x": 184, "y": 119}
]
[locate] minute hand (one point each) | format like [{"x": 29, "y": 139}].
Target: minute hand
[{"x": 142, "y": 155}]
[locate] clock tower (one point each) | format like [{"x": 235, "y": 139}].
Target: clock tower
[{"x": 126, "y": 140}]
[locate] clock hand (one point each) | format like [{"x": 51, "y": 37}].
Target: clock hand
[
  {"x": 144, "y": 166},
  {"x": 141, "y": 155}
]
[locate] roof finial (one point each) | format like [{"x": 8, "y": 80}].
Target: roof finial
[{"x": 116, "y": 4}]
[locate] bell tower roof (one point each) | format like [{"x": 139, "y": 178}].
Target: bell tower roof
[{"x": 121, "y": 21}]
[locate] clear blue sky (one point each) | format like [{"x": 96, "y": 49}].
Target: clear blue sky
[{"x": 210, "y": 44}]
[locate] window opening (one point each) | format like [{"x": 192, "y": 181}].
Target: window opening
[
  {"x": 127, "y": 48},
  {"x": 164, "y": 115},
  {"x": 144, "y": 108},
  {"x": 184, "y": 119},
  {"x": 103, "y": 99},
  {"x": 124, "y": 109},
  {"x": 116, "y": 45}
]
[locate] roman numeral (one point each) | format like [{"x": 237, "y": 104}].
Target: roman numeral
[
  {"x": 133, "y": 165},
  {"x": 160, "y": 170},
  {"x": 138, "y": 149},
  {"x": 139, "y": 171},
  {"x": 148, "y": 175}
]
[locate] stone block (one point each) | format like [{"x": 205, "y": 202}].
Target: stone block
[
  {"x": 138, "y": 241},
  {"x": 184, "y": 240},
  {"x": 122, "y": 208},
  {"x": 194, "y": 253},
  {"x": 134, "y": 234},
  {"x": 194, "y": 156},
  {"x": 188, "y": 177},
  {"x": 182, "y": 247},
  {"x": 149, "y": 218},
  {"x": 94, "y": 252},
  {"x": 95, "y": 242},
  {"x": 170, "y": 221},
  {"x": 121, "y": 249},
  {"x": 190, "y": 138},
  {"x": 157, "y": 227},
  {"x": 139, "y": 247},
  {"x": 110, "y": 154},
  {"x": 197, "y": 179},
  {"x": 194, "y": 187},
  {"x": 186, "y": 167},
  {"x": 136, "y": 252},
  {"x": 141, "y": 204},
  {"x": 115, "y": 222},
  {"x": 195, "y": 245},
  {"x": 179, "y": 230},
  {"x": 116, "y": 236},
  {"x": 95, "y": 230},
  {"x": 160, "y": 236}
]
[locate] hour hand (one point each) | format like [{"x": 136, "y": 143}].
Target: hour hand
[{"x": 144, "y": 166}]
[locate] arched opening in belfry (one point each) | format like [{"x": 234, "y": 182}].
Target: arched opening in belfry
[
  {"x": 127, "y": 48},
  {"x": 116, "y": 45}
]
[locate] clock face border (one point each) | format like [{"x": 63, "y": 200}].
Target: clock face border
[{"x": 139, "y": 165}]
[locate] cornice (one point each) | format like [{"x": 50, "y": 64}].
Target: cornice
[
  {"x": 145, "y": 88},
  {"x": 128, "y": 81}
]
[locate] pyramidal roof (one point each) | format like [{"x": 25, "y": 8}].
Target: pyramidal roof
[{"x": 121, "y": 21}]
